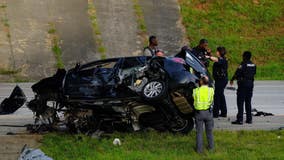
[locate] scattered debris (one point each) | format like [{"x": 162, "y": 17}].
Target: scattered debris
[
  {"x": 97, "y": 134},
  {"x": 39, "y": 128},
  {"x": 116, "y": 142},
  {"x": 14, "y": 102},
  {"x": 32, "y": 154},
  {"x": 261, "y": 113},
  {"x": 11, "y": 133}
]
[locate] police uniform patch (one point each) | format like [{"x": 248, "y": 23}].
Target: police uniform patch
[{"x": 250, "y": 65}]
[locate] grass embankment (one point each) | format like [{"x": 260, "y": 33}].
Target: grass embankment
[
  {"x": 230, "y": 145},
  {"x": 255, "y": 25}
]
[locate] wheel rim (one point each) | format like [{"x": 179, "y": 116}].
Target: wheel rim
[
  {"x": 153, "y": 89},
  {"x": 180, "y": 127}
]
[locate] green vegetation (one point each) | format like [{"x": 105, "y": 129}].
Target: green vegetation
[
  {"x": 51, "y": 31},
  {"x": 140, "y": 21},
  {"x": 96, "y": 30},
  {"x": 4, "y": 71},
  {"x": 256, "y": 25},
  {"x": 230, "y": 145},
  {"x": 55, "y": 46},
  {"x": 5, "y": 22},
  {"x": 3, "y": 6},
  {"x": 58, "y": 54}
]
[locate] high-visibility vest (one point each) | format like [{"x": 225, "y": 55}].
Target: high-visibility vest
[{"x": 203, "y": 97}]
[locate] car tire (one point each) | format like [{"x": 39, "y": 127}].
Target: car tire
[
  {"x": 154, "y": 90},
  {"x": 187, "y": 126}
]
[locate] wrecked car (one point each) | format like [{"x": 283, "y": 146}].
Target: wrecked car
[{"x": 121, "y": 94}]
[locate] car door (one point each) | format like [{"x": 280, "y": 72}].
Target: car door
[{"x": 194, "y": 63}]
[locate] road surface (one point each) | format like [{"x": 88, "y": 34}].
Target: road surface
[{"x": 268, "y": 96}]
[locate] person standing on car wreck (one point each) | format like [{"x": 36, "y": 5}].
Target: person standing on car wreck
[
  {"x": 220, "y": 75},
  {"x": 201, "y": 51},
  {"x": 245, "y": 78},
  {"x": 152, "y": 48},
  {"x": 203, "y": 99}
]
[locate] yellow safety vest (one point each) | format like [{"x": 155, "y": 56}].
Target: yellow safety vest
[{"x": 203, "y": 97}]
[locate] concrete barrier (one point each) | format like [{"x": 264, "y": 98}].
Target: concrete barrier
[
  {"x": 29, "y": 23},
  {"x": 162, "y": 19},
  {"x": 27, "y": 49}
]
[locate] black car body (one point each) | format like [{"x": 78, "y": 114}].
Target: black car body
[{"x": 126, "y": 92}]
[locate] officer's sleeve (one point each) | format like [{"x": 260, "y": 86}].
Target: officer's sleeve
[
  {"x": 206, "y": 62},
  {"x": 237, "y": 73},
  {"x": 221, "y": 61}
]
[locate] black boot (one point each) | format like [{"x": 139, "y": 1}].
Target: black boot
[{"x": 237, "y": 122}]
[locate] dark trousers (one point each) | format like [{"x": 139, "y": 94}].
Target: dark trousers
[
  {"x": 244, "y": 95},
  {"x": 204, "y": 117},
  {"x": 219, "y": 98}
]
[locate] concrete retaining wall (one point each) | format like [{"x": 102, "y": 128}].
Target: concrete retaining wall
[
  {"x": 162, "y": 19},
  {"x": 117, "y": 23},
  {"x": 29, "y": 47},
  {"x": 29, "y": 23}
]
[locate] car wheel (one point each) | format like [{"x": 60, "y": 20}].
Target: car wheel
[
  {"x": 184, "y": 126},
  {"x": 154, "y": 90}
]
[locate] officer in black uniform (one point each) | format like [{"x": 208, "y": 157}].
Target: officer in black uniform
[
  {"x": 220, "y": 75},
  {"x": 201, "y": 51},
  {"x": 245, "y": 77}
]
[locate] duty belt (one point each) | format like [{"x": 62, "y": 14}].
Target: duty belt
[
  {"x": 243, "y": 79},
  {"x": 209, "y": 109}
]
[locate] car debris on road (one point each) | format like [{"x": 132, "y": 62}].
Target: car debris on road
[
  {"x": 16, "y": 100},
  {"x": 32, "y": 154}
]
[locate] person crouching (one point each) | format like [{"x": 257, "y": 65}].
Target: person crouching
[{"x": 203, "y": 99}]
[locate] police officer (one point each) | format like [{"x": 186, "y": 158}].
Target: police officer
[
  {"x": 203, "y": 99},
  {"x": 245, "y": 78},
  {"x": 220, "y": 75},
  {"x": 151, "y": 49},
  {"x": 201, "y": 51}
]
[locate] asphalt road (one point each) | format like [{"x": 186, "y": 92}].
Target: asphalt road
[
  {"x": 268, "y": 97},
  {"x": 22, "y": 116}
]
